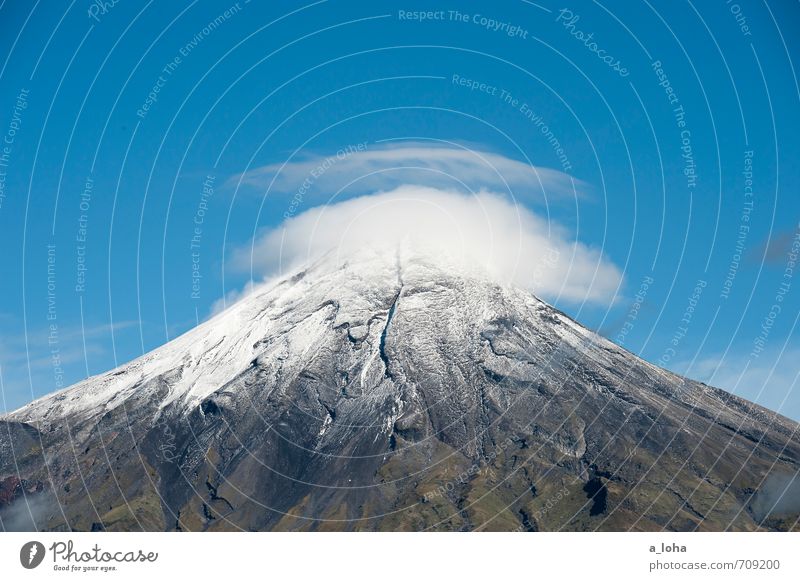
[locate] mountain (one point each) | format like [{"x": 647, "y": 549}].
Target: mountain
[{"x": 400, "y": 394}]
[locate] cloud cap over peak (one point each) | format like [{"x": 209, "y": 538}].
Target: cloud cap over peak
[{"x": 484, "y": 232}]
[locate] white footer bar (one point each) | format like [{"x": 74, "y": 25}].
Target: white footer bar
[{"x": 355, "y": 556}]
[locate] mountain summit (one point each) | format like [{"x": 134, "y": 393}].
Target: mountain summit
[{"x": 400, "y": 394}]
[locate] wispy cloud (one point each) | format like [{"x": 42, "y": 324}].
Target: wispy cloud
[
  {"x": 27, "y": 364},
  {"x": 368, "y": 168},
  {"x": 17, "y": 348},
  {"x": 769, "y": 380}
]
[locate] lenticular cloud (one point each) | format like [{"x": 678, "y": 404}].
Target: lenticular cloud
[{"x": 481, "y": 233}]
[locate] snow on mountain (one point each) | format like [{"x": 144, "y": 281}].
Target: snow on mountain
[{"x": 391, "y": 391}]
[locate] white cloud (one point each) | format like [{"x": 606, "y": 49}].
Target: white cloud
[
  {"x": 485, "y": 232},
  {"x": 367, "y": 168}
]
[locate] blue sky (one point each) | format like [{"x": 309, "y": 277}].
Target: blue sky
[{"x": 130, "y": 122}]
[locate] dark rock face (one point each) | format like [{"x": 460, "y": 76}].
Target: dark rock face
[{"x": 396, "y": 398}]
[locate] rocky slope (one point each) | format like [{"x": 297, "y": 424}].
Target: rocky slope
[{"x": 394, "y": 395}]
